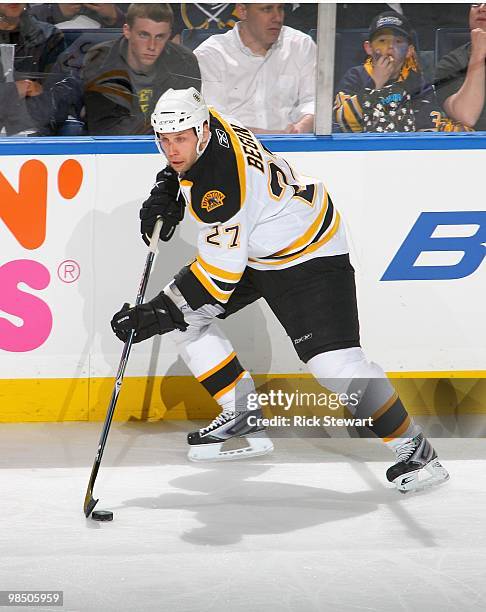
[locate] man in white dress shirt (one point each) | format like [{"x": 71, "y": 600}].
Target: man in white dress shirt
[{"x": 261, "y": 72}]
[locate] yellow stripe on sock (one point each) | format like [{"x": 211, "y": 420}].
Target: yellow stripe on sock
[
  {"x": 386, "y": 406},
  {"x": 398, "y": 431},
  {"x": 229, "y": 387},
  {"x": 216, "y": 367}
]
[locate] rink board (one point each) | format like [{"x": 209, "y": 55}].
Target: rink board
[
  {"x": 71, "y": 255},
  {"x": 153, "y": 398}
]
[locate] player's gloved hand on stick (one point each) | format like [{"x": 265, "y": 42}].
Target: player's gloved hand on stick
[
  {"x": 158, "y": 316},
  {"x": 162, "y": 202}
]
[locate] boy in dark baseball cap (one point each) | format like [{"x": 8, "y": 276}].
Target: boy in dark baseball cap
[
  {"x": 391, "y": 20},
  {"x": 388, "y": 93},
  {"x": 390, "y": 47}
]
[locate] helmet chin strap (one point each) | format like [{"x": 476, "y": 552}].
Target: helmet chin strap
[
  {"x": 159, "y": 146},
  {"x": 199, "y": 148}
]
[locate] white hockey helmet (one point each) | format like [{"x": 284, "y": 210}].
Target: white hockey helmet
[{"x": 178, "y": 110}]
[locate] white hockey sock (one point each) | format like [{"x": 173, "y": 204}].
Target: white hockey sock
[
  {"x": 346, "y": 370},
  {"x": 412, "y": 430},
  {"x": 237, "y": 396}
]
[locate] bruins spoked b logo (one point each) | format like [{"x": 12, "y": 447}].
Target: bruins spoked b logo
[{"x": 212, "y": 199}]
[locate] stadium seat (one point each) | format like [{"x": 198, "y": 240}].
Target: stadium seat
[
  {"x": 447, "y": 39},
  {"x": 70, "y": 63},
  {"x": 194, "y": 37},
  {"x": 95, "y": 35},
  {"x": 349, "y": 51}
]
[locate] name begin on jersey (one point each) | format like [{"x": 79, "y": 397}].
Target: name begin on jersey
[{"x": 250, "y": 147}]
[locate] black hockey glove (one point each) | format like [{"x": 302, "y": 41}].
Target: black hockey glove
[
  {"x": 162, "y": 202},
  {"x": 158, "y": 316}
]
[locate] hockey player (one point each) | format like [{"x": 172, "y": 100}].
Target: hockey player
[{"x": 264, "y": 232}]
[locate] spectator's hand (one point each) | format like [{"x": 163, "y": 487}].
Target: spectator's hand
[
  {"x": 22, "y": 87},
  {"x": 296, "y": 128},
  {"x": 34, "y": 89},
  {"x": 107, "y": 12},
  {"x": 478, "y": 44},
  {"x": 291, "y": 129},
  {"x": 384, "y": 67},
  {"x": 27, "y": 89},
  {"x": 305, "y": 125},
  {"x": 257, "y": 130}
]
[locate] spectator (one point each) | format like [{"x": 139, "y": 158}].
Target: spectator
[
  {"x": 106, "y": 15},
  {"x": 28, "y": 105},
  {"x": 261, "y": 72},
  {"x": 461, "y": 75},
  {"x": 388, "y": 93},
  {"x": 37, "y": 44},
  {"x": 124, "y": 78},
  {"x": 55, "y": 12},
  {"x": 426, "y": 17},
  {"x": 14, "y": 116}
]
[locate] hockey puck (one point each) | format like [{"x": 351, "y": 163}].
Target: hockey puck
[{"x": 102, "y": 515}]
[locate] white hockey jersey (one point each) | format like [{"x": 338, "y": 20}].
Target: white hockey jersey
[{"x": 253, "y": 210}]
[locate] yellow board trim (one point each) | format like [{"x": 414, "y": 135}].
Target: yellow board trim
[
  {"x": 183, "y": 397},
  {"x": 439, "y": 374}
]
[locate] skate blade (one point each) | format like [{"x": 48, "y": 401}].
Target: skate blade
[
  {"x": 259, "y": 444},
  {"x": 418, "y": 481}
]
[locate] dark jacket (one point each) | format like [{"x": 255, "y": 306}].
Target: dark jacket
[
  {"x": 113, "y": 105},
  {"x": 450, "y": 75},
  {"x": 14, "y": 115},
  {"x": 37, "y": 46},
  {"x": 51, "y": 13}
]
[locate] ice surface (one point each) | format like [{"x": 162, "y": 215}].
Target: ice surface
[{"x": 312, "y": 527}]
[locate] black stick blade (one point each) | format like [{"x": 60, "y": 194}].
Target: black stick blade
[{"x": 89, "y": 504}]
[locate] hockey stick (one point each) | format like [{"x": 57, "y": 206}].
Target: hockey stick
[{"x": 89, "y": 502}]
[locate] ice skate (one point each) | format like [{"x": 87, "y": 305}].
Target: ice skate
[
  {"x": 206, "y": 444},
  {"x": 418, "y": 466}
]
